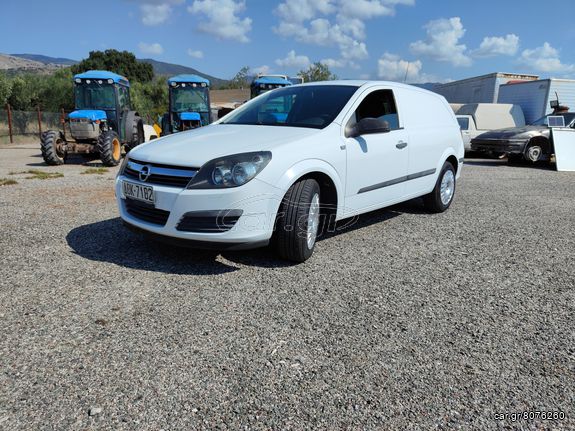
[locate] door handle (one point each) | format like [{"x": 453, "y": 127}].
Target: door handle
[{"x": 401, "y": 145}]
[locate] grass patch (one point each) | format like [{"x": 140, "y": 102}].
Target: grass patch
[
  {"x": 7, "y": 182},
  {"x": 36, "y": 174},
  {"x": 95, "y": 171}
]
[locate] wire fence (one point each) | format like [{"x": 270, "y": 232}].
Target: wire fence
[
  {"x": 22, "y": 126},
  {"x": 26, "y": 126}
]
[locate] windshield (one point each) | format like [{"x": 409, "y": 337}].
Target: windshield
[
  {"x": 544, "y": 121},
  {"x": 95, "y": 96},
  {"x": 189, "y": 99},
  {"x": 313, "y": 106},
  {"x": 258, "y": 89}
]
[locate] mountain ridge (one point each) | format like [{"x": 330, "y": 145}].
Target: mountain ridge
[{"x": 44, "y": 63}]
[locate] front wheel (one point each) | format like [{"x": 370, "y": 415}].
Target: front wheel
[
  {"x": 51, "y": 145},
  {"x": 109, "y": 148},
  {"x": 442, "y": 195},
  {"x": 298, "y": 221}
]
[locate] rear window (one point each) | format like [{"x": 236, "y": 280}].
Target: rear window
[{"x": 463, "y": 123}]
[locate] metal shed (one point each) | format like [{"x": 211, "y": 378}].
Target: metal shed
[
  {"x": 479, "y": 89},
  {"x": 534, "y": 97}
]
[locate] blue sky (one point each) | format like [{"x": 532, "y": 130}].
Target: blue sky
[{"x": 430, "y": 40}]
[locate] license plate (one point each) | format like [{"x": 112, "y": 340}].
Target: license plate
[{"x": 139, "y": 192}]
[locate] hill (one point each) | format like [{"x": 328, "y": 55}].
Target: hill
[
  {"x": 169, "y": 69},
  {"x": 13, "y": 64},
  {"x": 46, "y": 59}
]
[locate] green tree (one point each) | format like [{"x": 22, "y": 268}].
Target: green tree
[
  {"x": 150, "y": 98},
  {"x": 25, "y": 93},
  {"x": 241, "y": 79},
  {"x": 317, "y": 72},
  {"x": 57, "y": 91},
  {"x": 121, "y": 62},
  {"x": 5, "y": 89}
]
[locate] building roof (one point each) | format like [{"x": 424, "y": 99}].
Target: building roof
[
  {"x": 103, "y": 74},
  {"x": 193, "y": 79},
  {"x": 517, "y": 76}
]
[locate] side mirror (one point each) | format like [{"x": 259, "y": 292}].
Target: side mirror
[{"x": 369, "y": 126}]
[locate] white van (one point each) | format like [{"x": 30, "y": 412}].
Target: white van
[{"x": 287, "y": 164}]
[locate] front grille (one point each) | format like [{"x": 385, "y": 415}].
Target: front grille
[
  {"x": 146, "y": 212},
  {"x": 173, "y": 176},
  {"x": 209, "y": 221}
]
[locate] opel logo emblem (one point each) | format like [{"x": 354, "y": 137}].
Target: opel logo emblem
[{"x": 145, "y": 173}]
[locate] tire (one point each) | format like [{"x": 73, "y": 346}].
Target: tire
[
  {"x": 138, "y": 137},
  {"x": 109, "y": 148},
  {"x": 300, "y": 207},
  {"x": 166, "y": 125},
  {"x": 533, "y": 152},
  {"x": 49, "y": 145},
  {"x": 442, "y": 195}
]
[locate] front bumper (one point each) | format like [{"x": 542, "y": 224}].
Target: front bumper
[
  {"x": 257, "y": 203},
  {"x": 498, "y": 146}
]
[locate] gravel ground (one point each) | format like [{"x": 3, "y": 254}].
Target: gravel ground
[{"x": 403, "y": 321}]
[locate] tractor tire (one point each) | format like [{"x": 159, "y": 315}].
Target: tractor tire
[
  {"x": 49, "y": 146},
  {"x": 138, "y": 135},
  {"x": 109, "y": 148},
  {"x": 166, "y": 125}
]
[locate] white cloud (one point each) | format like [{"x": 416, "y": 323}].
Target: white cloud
[
  {"x": 195, "y": 54},
  {"x": 442, "y": 43},
  {"x": 333, "y": 63},
  {"x": 157, "y": 12},
  {"x": 492, "y": 46},
  {"x": 393, "y": 68},
  {"x": 223, "y": 21},
  {"x": 264, "y": 70},
  {"x": 338, "y": 23},
  {"x": 545, "y": 59},
  {"x": 150, "y": 48},
  {"x": 293, "y": 61}
]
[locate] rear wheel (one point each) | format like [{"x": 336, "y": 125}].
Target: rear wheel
[
  {"x": 109, "y": 148},
  {"x": 442, "y": 195},
  {"x": 166, "y": 125},
  {"x": 298, "y": 221},
  {"x": 51, "y": 148}
]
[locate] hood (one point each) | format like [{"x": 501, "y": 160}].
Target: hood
[
  {"x": 195, "y": 147},
  {"x": 90, "y": 114},
  {"x": 515, "y": 132},
  {"x": 190, "y": 116}
]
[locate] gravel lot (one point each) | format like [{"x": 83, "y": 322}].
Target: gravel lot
[{"x": 404, "y": 321}]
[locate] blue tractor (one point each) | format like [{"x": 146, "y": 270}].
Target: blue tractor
[
  {"x": 189, "y": 104},
  {"x": 102, "y": 123},
  {"x": 263, "y": 83}
]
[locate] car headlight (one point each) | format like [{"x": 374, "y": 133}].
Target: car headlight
[{"x": 230, "y": 171}]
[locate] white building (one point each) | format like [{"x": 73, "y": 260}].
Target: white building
[
  {"x": 479, "y": 89},
  {"x": 535, "y": 97}
]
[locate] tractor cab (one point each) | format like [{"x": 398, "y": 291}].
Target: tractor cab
[
  {"x": 189, "y": 104},
  {"x": 262, "y": 84},
  {"x": 100, "y": 97}
]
